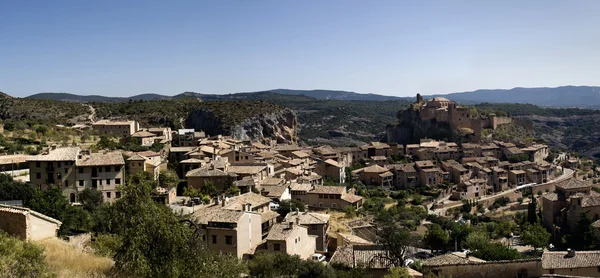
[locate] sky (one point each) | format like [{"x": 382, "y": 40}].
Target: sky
[{"x": 125, "y": 47}]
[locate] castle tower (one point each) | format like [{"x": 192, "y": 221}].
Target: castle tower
[{"x": 419, "y": 98}]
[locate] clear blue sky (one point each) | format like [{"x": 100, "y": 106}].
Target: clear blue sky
[{"x": 121, "y": 48}]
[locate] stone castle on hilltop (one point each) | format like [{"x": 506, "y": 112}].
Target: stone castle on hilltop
[
  {"x": 446, "y": 111},
  {"x": 440, "y": 118}
]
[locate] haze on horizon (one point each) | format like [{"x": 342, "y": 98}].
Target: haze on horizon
[{"x": 123, "y": 48}]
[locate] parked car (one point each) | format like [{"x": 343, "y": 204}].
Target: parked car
[{"x": 318, "y": 257}]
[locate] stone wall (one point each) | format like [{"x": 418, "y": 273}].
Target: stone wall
[
  {"x": 13, "y": 222},
  {"x": 499, "y": 269},
  {"x": 27, "y": 224}
]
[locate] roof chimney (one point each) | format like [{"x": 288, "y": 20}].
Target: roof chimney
[
  {"x": 223, "y": 202},
  {"x": 297, "y": 220},
  {"x": 291, "y": 224},
  {"x": 570, "y": 253}
]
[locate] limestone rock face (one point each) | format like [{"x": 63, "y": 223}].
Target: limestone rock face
[
  {"x": 411, "y": 128},
  {"x": 280, "y": 126}
]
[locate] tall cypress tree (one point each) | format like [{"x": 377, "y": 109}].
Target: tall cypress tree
[{"x": 531, "y": 210}]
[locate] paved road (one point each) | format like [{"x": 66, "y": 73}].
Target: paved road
[{"x": 567, "y": 173}]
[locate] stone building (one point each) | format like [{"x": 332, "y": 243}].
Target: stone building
[
  {"x": 27, "y": 224},
  {"x": 74, "y": 170},
  {"x": 291, "y": 238},
  {"x": 116, "y": 128}
]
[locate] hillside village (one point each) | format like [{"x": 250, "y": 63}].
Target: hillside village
[{"x": 325, "y": 204}]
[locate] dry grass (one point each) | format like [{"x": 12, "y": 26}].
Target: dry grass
[
  {"x": 337, "y": 222},
  {"x": 68, "y": 262}
]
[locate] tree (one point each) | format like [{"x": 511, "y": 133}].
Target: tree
[
  {"x": 90, "y": 199},
  {"x": 583, "y": 237},
  {"x": 287, "y": 206},
  {"x": 191, "y": 192},
  {"x": 496, "y": 252},
  {"x": 171, "y": 249},
  {"x": 168, "y": 178},
  {"x": 398, "y": 272},
  {"x": 269, "y": 264},
  {"x": 535, "y": 235},
  {"x": 394, "y": 238},
  {"x": 531, "y": 210},
  {"x": 22, "y": 259},
  {"x": 476, "y": 240},
  {"x": 436, "y": 238}
]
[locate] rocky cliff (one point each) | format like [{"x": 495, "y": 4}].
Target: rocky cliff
[
  {"x": 280, "y": 125},
  {"x": 411, "y": 128}
]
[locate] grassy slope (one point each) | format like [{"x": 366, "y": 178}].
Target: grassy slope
[{"x": 68, "y": 262}]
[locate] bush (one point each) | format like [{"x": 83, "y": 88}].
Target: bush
[
  {"x": 106, "y": 245},
  {"x": 21, "y": 259}
]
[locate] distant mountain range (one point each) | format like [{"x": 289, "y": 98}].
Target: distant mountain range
[{"x": 565, "y": 96}]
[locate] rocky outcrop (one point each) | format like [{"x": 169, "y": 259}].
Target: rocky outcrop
[
  {"x": 280, "y": 125},
  {"x": 411, "y": 128}
]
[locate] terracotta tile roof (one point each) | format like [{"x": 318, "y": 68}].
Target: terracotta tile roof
[
  {"x": 25, "y": 211},
  {"x": 590, "y": 201},
  {"x": 370, "y": 256},
  {"x": 551, "y": 196},
  {"x": 407, "y": 167},
  {"x": 10, "y": 159},
  {"x": 281, "y": 231},
  {"x": 255, "y": 200},
  {"x": 374, "y": 169},
  {"x": 351, "y": 198},
  {"x": 191, "y": 161},
  {"x": 109, "y": 122},
  {"x": 324, "y": 189},
  {"x": 308, "y": 218},
  {"x": 206, "y": 172},
  {"x": 136, "y": 157},
  {"x": 424, "y": 163},
  {"x": 573, "y": 183},
  {"x": 272, "y": 181},
  {"x": 249, "y": 170},
  {"x": 287, "y": 147},
  {"x": 143, "y": 134},
  {"x": 559, "y": 259},
  {"x": 455, "y": 258},
  {"x": 273, "y": 191},
  {"x": 300, "y": 154},
  {"x": 354, "y": 240},
  {"x": 99, "y": 159},
  {"x": 268, "y": 216},
  {"x": 333, "y": 163},
  {"x": 181, "y": 149},
  {"x": 217, "y": 214},
  {"x": 246, "y": 181},
  {"x": 59, "y": 154},
  {"x": 301, "y": 187},
  {"x": 517, "y": 172}
]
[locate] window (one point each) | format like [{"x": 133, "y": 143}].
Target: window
[
  {"x": 117, "y": 181},
  {"x": 276, "y": 247},
  {"x": 38, "y": 175},
  {"x": 66, "y": 170},
  {"x": 118, "y": 194},
  {"x": 37, "y": 164},
  {"x": 214, "y": 239},
  {"x": 140, "y": 164},
  {"x": 108, "y": 195},
  {"x": 58, "y": 164},
  {"x": 228, "y": 240},
  {"x": 334, "y": 205},
  {"x": 107, "y": 169},
  {"x": 117, "y": 169},
  {"x": 80, "y": 170},
  {"x": 81, "y": 183},
  {"x": 66, "y": 183},
  {"x": 107, "y": 181},
  {"x": 99, "y": 182}
]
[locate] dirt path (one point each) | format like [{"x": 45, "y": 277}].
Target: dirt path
[{"x": 92, "y": 116}]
